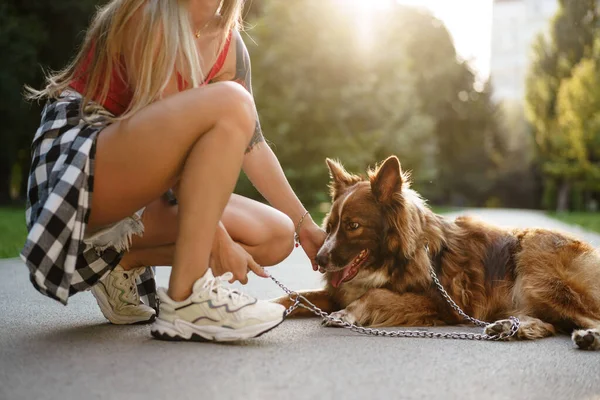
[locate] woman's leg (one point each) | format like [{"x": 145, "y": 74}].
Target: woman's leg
[
  {"x": 267, "y": 234},
  {"x": 198, "y": 138},
  {"x": 148, "y": 257},
  {"x": 264, "y": 232}
]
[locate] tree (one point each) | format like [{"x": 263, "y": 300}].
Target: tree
[
  {"x": 578, "y": 109},
  {"x": 469, "y": 142},
  {"x": 518, "y": 178},
  {"x": 320, "y": 94},
  {"x": 330, "y": 83},
  {"x": 34, "y": 34},
  {"x": 571, "y": 38}
]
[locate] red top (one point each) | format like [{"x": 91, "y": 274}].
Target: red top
[{"x": 120, "y": 94}]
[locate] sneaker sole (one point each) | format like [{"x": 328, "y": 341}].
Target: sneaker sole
[
  {"x": 188, "y": 332},
  {"x": 116, "y": 319}
]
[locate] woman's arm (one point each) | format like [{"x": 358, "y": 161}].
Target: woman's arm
[
  {"x": 264, "y": 170},
  {"x": 260, "y": 164}
]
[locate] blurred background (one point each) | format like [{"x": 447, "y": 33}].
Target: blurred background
[{"x": 489, "y": 103}]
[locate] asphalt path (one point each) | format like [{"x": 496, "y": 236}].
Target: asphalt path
[{"x": 48, "y": 351}]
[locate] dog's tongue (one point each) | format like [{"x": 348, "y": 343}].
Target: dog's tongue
[{"x": 338, "y": 277}]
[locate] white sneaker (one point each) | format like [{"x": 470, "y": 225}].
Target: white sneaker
[
  {"x": 214, "y": 312},
  {"x": 119, "y": 300}
]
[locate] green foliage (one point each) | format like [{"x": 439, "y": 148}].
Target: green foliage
[
  {"x": 517, "y": 183},
  {"x": 33, "y": 34},
  {"x": 587, "y": 220},
  {"x": 12, "y": 231},
  {"x": 578, "y": 110},
  {"x": 560, "y": 105},
  {"x": 329, "y": 84},
  {"x": 469, "y": 145},
  {"x": 320, "y": 95}
]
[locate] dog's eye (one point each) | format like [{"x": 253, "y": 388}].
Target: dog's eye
[{"x": 353, "y": 226}]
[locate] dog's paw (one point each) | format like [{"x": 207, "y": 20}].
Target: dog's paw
[
  {"x": 497, "y": 328},
  {"x": 342, "y": 315},
  {"x": 587, "y": 339}
]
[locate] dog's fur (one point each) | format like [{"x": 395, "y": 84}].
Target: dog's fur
[{"x": 551, "y": 281}]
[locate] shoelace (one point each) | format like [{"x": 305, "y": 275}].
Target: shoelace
[
  {"x": 215, "y": 285},
  {"x": 127, "y": 281}
]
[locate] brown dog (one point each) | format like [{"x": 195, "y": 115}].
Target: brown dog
[{"x": 377, "y": 265}]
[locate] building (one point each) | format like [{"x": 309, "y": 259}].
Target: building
[{"x": 515, "y": 25}]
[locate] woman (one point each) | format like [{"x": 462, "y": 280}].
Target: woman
[{"x": 133, "y": 117}]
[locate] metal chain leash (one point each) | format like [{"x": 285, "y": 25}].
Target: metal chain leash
[{"x": 299, "y": 300}]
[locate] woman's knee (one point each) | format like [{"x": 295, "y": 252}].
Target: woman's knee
[
  {"x": 237, "y": 108},
  {"x": 281, "y": 242}
]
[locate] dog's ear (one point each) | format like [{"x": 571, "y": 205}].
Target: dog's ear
[
  {"x": 387, "y": 180},
  {"x": 340, "y": 178}
]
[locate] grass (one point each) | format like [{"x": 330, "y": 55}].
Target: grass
[
  {"x": 587, "y": 220},
  {"x": 12, "y": 231}
]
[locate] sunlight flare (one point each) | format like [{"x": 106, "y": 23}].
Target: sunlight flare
[{"x": 364, "y": 15}]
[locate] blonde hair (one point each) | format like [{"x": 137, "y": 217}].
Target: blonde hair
[{"x": 161, "y": 41}]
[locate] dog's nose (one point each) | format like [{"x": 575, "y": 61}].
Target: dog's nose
[{"x": 322, "y": 258}]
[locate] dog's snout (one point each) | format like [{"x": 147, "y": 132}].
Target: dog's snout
[{"x": 322, "y": 258}]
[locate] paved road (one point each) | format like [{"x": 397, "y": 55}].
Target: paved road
[{"x": 48, "y": 351}]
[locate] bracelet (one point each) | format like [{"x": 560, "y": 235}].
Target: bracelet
[{"x": 297, "y": 232}]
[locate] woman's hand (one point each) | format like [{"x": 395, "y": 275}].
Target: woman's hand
[
  {"x": 229, "y": 256},
  {"x": 311, "y": 239}
]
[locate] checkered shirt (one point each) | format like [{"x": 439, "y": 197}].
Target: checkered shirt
[{"x": 59, "y": 195}]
